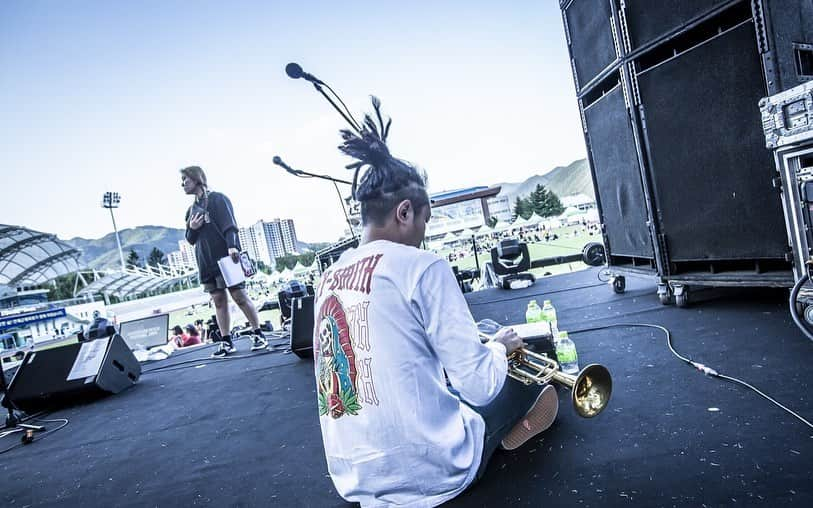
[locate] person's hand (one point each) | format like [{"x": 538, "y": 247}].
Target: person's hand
[
  {"x": 235, "y": 254},
  {"x": 508, "y": 338},
  {"x": 196, "y": 221}
]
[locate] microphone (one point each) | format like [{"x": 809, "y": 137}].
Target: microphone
[
  {"x": 294, "y": 71},
  {"x": 279, "y": 162}
]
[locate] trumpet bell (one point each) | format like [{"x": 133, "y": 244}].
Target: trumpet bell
[{"x": 591, "y": 390}]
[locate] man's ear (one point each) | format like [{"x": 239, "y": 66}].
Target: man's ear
[{"x": 404, "y": 212}]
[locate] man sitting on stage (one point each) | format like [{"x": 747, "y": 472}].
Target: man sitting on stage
[{"x": 390, "y": 322}]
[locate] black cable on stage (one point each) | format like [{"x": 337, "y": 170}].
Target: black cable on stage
[
  {"x": 699, "y": 366},
  {"x": 64, "y": 422},
  {"x": 604, "y": 271},
  {"x": 197, "y": 361},
  {"x": 794, "y": 293},
  {"x": 189, "y": 350},
  {"x": 527, "y": 296},
  {"x": 344, "y": 209}
]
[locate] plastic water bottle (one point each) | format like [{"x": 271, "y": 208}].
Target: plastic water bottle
[
  {"x": 566, "y": 354},
  {"x": 549, "y": 316},
  {"x": 534, "y": 314}
]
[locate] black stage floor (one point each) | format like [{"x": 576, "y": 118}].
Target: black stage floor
[{"x": 245, "y": 432}]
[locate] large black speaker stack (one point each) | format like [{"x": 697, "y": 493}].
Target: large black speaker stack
[{"x": 669, "y": 93}]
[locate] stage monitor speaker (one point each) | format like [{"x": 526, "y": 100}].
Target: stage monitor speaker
[
  {"x": 712, "y": 179},
  {"x": 589, "y": 32},
  {"x": 71, "y": 374},
  {"x": 617, "y": 174},
  {"x": 302, "y": 326}
]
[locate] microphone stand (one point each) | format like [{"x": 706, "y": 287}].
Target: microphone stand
[
  {"x": 13, "y": 420},
  {"x": 305, "y": 174},
  {"x": 348, "y": 117},
  {"x": 336, "y": 181},
  {"x": 327, "y": 97}
]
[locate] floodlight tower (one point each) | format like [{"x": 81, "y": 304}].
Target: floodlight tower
[{"x": 111, "y": 200}]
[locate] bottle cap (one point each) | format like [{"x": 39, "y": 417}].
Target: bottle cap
[
  {"x": 562, "y": 334},
  {"x": 547, "y": 302}
]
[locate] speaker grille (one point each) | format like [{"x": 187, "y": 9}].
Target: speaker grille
[
  {"x": 710, "y": 172},
  {"x": 650, "y": 20},
  {"x": 589, "y": 31},
  {"x": 617, "y": 176}
]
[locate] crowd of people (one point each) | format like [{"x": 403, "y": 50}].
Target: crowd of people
[{"x": 190, "y": 335}]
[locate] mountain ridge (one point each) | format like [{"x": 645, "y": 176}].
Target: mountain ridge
[{"x": 102, "y": 252}]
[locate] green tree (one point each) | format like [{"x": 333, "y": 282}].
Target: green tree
[
  {"x": 316, "y": 247},
  {"x": 133, "y": 259},
  {"x": 286, "y": 261},
  {"x": 552, "y": 205},
  {"x": 522, "y": 208},
  {"x": 538, "y": 199},
  {"x": 307, "y": 258},
  {"x": 60, "y": 288},
  {"x": 156, "y": 257}
]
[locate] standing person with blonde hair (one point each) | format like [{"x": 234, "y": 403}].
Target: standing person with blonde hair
[{"x": 212, "y": 229}]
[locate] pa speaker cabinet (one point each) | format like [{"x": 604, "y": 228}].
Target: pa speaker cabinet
[
  {"x": 72, "y": 374},
  {"x": 647, "y": 22},
  {"x": 617, "y": 175},
  {"x": 711, "y": 177},
  {"x": 784, "y": 31},
  {"x": 591, "y": 37},
  {"x": 302, "y": 326}
]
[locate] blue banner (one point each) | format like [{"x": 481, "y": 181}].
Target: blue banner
[{"x": 20, "y": 320}]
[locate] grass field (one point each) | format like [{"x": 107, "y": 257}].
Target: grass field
[
  {"x": 566, "y": 244},
  {"x": 185, "y": 317}
]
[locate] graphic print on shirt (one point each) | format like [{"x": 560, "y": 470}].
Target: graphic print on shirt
[{"x": 335, "y": 362}]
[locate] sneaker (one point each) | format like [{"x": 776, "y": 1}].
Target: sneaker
[
  {"x": 540, "y": 417},
  {"x": 223, "y": 349},
  {"x": 259, "y": 343}
]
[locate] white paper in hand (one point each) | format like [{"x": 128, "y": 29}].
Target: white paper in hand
[{"x": 232, "y": 272}]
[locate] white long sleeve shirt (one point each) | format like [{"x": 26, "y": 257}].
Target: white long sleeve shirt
[{"x": 389, "y": 319}]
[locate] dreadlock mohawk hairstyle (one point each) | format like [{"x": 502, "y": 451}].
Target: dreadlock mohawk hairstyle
[{"x": 387, "y": 180}]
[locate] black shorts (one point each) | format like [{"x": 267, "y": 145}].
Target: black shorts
[{"x": 218, "y": 284}]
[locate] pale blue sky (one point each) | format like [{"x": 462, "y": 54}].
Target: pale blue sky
[{"x": 119, "y": 96}]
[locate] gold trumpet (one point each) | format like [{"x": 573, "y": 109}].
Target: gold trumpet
[{"x": 590, "y": 388}]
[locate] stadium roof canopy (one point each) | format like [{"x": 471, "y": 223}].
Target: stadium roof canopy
[
  {"x": 28, "y": 257},
  {"x": 137, "y": 281},
  {"x": 457, "y": 196}
]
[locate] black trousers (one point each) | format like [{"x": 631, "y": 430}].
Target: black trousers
[{"x": 505, "y": 411}]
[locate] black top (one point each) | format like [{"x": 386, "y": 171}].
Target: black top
[{"x": 218, "y": 233}]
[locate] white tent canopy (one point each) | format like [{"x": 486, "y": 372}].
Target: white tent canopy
[
  {"x": 500, "y": 226},
  {"x": 519, "y": 222},
  {"x": 450, "y": 238}
]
